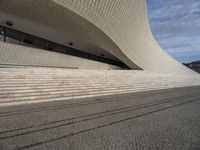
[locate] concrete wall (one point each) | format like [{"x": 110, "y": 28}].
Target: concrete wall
[
  {"x": 11, "y": 54},
  {"x": 126, "y": 23}
]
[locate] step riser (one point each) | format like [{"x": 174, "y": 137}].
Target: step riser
[{"x": 33, "y": 85}]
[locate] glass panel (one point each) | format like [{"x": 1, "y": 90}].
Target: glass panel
[
  {"x": 26, "y": 39},
  {"x": 2, "y": 33},
  {"x": 59, "y": 48},
  {"x": 17, "y": 37},
  {"x": 50, "y": 45},
  {"x": 38, "y": 42},
  {"x": 12, "y": 36}
]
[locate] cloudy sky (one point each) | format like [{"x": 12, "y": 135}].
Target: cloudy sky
[{"x": 176, "y": 27}]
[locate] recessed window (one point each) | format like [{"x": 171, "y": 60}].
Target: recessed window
[
  {"x": 2, "y": 34},
  {"x": 26, "y": 39},
  {"x": 38, "y": 42},
  {"x": 50, "y": 45},
  {"x": 12, "y": 36}
]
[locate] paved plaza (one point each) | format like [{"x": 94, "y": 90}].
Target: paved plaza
[{"x": 160, "y": 119}]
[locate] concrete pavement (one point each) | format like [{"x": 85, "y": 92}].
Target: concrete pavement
[{"x": 162, "y": 119}]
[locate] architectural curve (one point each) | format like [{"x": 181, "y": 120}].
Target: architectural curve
[
  {"x": 126, "y": 23},
  {"x": 118, "y": 27}
]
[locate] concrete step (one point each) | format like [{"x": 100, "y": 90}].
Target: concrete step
[
  {"x": 64, "y": 91},
  {"x": 70, "y": 96},
  {"x": 33, "y": 85}
]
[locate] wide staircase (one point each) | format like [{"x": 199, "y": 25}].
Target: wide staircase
[{"x": 35, "y": 85}]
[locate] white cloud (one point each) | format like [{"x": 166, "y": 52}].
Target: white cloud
[{"x": 176, "y": 26}]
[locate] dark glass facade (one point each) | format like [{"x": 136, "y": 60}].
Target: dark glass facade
[
  {"x": 17, "y": 37},
  {"x": 2, "y": 33}
]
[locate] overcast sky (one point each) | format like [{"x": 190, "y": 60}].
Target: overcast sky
[{"x": 176, "y": 26}]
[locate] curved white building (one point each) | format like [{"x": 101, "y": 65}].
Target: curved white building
[{"x": 92, "y": 34}]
